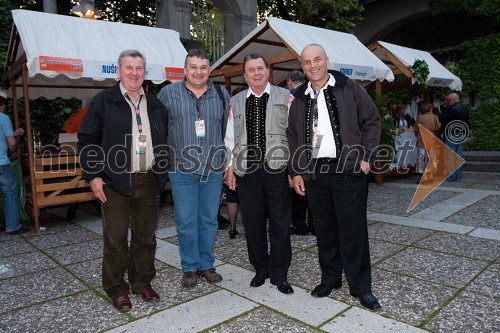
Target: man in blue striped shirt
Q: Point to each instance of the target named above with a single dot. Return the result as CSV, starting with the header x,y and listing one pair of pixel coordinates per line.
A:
x,y
197,122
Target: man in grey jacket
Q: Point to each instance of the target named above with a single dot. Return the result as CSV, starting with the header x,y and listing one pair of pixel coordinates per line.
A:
x,y
256,136
333,133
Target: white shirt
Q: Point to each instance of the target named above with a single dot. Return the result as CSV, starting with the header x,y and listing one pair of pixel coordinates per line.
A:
x,y
326,142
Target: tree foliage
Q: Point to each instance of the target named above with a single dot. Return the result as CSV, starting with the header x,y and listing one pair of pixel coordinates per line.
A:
x,y
140,12
339,15
487,8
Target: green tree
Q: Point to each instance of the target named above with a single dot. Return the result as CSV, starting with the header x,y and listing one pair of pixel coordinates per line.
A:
x,y
486,8
140,12
339,15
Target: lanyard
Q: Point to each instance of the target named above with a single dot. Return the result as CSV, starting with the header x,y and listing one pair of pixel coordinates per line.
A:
x,y
137,112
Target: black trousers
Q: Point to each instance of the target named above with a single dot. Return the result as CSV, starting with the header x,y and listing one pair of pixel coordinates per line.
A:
x,y
339,205
140,210
302,219
258,191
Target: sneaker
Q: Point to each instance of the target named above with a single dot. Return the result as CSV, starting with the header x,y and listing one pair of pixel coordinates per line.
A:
x,y
21,230
189,279
210,275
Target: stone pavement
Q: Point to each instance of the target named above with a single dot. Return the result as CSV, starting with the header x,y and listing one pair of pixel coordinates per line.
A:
x,y
435,269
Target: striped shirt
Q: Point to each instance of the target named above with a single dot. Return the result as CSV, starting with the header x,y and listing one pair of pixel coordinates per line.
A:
x,y
189,152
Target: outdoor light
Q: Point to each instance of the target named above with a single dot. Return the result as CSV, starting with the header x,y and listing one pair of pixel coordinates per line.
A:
x,y
86,9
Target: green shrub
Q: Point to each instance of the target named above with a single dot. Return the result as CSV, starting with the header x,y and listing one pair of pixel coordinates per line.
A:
x,y
485,123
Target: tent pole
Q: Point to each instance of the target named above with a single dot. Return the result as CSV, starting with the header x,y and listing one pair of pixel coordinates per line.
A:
x,y
378,91
30,148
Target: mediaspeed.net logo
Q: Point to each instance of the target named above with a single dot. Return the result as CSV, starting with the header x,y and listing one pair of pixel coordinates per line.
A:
x,y
443,161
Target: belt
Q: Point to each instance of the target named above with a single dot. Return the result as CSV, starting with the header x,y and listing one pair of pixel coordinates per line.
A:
x,y
143,173
326,160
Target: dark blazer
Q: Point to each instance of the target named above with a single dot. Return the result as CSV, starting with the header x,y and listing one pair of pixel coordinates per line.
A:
x,y
104,140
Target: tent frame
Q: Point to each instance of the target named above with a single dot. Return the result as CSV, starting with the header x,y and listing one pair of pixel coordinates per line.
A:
x,y
46,186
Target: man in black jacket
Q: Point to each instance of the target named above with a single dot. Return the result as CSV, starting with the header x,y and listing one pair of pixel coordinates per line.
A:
x,y
122,145
333,133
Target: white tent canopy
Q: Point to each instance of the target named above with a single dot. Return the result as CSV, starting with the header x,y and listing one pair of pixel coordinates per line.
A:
x,y
65,54
281,42
439,76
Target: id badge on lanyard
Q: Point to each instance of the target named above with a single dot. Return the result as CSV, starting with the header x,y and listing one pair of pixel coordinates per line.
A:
x,y
141,143
199,126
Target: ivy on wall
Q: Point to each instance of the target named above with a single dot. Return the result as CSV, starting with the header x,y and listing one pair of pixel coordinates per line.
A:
x,y
485,123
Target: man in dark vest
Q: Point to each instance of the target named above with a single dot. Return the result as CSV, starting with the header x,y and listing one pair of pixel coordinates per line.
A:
x,y
334,127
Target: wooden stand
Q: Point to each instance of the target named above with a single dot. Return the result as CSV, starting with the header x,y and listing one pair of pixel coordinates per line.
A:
x,y
58,179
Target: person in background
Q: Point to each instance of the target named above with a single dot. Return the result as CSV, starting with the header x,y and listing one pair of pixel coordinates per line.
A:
x,y
302,219
431,122
8,181
232,197
334,132
402,119
120,143
455,135
256,137
197,112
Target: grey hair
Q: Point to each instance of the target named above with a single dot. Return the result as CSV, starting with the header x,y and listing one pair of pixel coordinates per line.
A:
x,y
133,54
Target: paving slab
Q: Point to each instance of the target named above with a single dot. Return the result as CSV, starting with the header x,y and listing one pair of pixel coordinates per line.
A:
x,y
72,253
168,285
82,312
462,245
403,298
438,212
15,245
433,266
194,316
24,263
487,283
262,320
486,233
304,270
482,214
356,320
419,223
469,312
65,237
300,305
401,234
37,287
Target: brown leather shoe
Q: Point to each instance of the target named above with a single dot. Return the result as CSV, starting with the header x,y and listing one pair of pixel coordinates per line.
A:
x,y
210,275
149,295
189,279
122,303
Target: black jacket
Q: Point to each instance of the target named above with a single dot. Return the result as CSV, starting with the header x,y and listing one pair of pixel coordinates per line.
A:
x,y
358,123
104,140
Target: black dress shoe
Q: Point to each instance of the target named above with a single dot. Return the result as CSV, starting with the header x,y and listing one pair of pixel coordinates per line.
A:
x,y
369,301
323,290
233,233
258,280
283,286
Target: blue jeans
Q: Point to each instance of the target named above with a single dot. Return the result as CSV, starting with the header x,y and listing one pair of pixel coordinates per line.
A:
x,y
8,186
458,148
196,203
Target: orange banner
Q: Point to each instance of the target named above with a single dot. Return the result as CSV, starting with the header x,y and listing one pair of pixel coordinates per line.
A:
x,y
174,73
57,64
